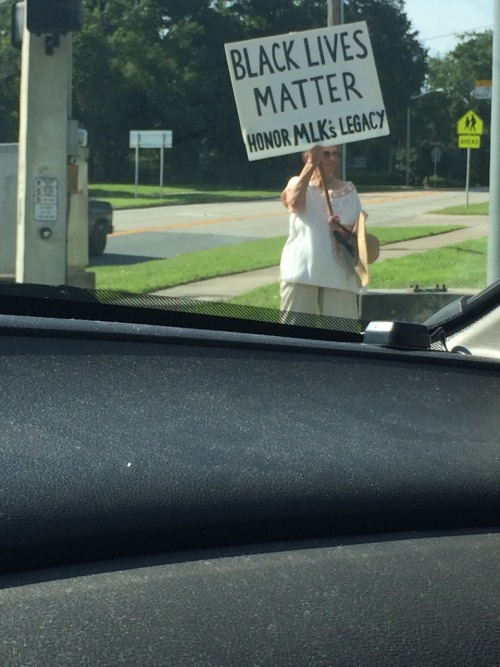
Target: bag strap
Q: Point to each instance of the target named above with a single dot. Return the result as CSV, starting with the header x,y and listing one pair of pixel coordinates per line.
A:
x,y
339,239
361,264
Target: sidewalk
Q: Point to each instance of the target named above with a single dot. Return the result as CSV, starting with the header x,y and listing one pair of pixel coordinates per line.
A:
x,y
228,287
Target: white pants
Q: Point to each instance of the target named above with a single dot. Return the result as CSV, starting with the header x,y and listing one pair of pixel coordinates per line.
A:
x,y
301,298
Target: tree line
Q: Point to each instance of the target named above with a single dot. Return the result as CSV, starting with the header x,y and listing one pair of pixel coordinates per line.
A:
x,y
160,64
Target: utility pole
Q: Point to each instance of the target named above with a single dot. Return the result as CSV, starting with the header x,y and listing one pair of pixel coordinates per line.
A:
x,y
334,12
43,149
335,16
45,110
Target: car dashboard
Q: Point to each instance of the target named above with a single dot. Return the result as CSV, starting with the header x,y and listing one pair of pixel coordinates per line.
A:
x,y
196,497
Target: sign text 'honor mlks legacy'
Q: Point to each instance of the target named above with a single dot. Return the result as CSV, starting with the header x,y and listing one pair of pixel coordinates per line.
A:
x,y
297,90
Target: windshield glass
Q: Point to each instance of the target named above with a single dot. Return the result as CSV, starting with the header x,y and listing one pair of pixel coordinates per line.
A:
x,y
310,162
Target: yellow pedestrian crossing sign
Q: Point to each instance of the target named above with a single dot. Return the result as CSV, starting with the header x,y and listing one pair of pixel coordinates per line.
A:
x,y
470,123
469,141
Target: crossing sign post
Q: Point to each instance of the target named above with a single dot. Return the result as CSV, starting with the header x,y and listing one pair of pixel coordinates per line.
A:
x,y
470,127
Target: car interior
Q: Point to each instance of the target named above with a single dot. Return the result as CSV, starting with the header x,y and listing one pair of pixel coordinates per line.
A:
x,y
191,482
186,491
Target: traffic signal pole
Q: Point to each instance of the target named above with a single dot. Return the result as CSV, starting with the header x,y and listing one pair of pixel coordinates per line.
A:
x,y
43,149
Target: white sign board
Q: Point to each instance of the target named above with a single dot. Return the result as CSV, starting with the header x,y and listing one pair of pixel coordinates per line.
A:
x,y
436,153
151,139
297,90
483,89
45,198
482,92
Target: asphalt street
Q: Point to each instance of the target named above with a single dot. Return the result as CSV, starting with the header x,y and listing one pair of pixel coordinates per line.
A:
x,y
162,232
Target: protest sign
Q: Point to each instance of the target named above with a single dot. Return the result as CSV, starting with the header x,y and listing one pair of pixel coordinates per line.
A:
x,y
301,89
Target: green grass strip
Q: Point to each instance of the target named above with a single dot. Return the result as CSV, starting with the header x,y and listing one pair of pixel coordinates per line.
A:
x,y
473,209
160,274
459,266
456,266
123,195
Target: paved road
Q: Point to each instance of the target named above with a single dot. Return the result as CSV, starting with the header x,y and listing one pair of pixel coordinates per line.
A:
x,y
144,234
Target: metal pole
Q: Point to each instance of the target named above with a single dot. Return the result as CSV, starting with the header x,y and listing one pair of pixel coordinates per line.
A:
x,y
335,16
467,180
407,179
493,262
137,164
334,12
408,120
161,165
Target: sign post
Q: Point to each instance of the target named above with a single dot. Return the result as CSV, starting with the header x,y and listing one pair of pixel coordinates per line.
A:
x,y
470,127
150,139
298,90
436,156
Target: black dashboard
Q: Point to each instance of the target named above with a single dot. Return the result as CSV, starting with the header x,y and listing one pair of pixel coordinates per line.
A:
x,y
185,497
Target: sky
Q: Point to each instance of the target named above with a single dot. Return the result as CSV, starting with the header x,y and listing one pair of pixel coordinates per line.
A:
x,y
438,20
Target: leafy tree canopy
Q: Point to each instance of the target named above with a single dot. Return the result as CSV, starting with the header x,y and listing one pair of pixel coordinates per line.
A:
x,y
151,64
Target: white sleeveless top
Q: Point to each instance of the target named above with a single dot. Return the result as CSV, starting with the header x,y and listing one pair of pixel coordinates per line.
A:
x,y
309,255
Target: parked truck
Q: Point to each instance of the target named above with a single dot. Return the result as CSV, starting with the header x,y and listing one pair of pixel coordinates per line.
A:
x,y
100,220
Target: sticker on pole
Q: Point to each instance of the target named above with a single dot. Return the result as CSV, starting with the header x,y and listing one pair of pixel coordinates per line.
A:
x,y
301,89
45,199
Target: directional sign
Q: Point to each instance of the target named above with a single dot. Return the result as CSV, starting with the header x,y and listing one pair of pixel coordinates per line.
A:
x,y
469,141
151,138
470,123
482,89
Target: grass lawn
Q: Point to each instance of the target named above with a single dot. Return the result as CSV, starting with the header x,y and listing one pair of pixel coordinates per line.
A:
x,y
123,196
458,266
159,274
472,209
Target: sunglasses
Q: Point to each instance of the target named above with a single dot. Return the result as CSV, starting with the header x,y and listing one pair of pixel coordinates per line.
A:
x,y
328,154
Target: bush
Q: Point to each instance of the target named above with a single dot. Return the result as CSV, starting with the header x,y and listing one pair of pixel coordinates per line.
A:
x,y
441,182
376,177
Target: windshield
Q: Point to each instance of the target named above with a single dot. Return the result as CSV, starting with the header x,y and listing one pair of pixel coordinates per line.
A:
x,y
312,162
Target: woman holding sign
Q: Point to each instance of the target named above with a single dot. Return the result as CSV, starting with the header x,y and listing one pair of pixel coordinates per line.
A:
x,y
316,271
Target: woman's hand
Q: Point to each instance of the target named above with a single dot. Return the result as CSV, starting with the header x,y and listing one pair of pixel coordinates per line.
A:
x,y
294,196
314,156
343,230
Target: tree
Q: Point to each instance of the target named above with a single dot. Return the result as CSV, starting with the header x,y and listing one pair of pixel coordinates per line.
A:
x,y
9,81
401,65
155,64
456,73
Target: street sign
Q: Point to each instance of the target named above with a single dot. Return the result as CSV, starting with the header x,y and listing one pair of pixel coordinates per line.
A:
x,y
469,129
469,141
436,153
45,199
482,89
470,123
150,138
